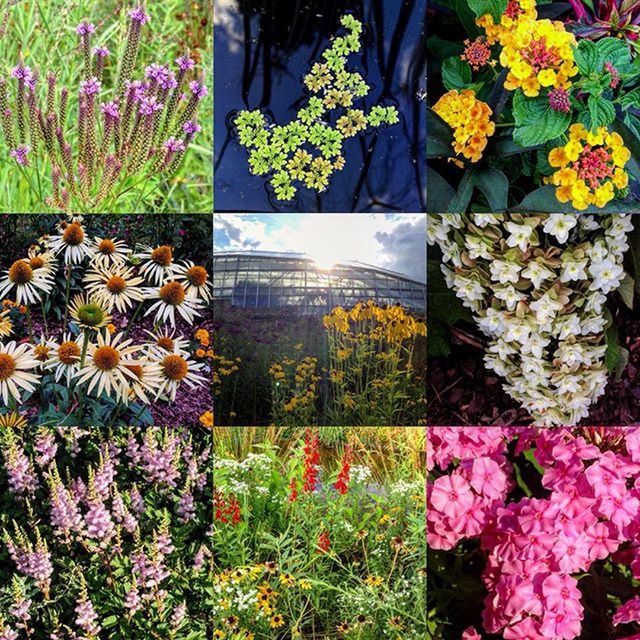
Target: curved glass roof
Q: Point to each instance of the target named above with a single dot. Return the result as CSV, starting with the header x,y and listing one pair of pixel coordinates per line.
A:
x,y
252,279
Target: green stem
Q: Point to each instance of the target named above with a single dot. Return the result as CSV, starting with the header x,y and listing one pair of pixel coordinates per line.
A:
x,y
66,298
505,124
133,319
85,345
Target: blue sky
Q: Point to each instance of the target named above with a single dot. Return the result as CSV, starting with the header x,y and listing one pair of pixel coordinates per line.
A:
x,y
391,241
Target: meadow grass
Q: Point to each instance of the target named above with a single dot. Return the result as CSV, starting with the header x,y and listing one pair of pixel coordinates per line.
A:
x,y
42,32
391,452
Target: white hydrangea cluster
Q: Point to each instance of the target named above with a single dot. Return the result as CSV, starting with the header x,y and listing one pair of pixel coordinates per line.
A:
x,y
537,284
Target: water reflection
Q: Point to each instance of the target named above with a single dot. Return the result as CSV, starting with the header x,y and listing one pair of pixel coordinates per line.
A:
x,y
263,48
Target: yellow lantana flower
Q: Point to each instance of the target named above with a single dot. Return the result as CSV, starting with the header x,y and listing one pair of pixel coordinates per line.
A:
x,y
538,53
470,120
590,167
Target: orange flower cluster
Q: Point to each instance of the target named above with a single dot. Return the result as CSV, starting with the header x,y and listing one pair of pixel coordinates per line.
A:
x,y
470,120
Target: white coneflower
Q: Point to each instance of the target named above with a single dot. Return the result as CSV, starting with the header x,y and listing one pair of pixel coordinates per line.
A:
x,y
30,284
90,312
16,360
148,377
166,339
172,297
117,285
43,350
75,244
177,369
195,280
106,366
108,251
6,326
157,264
65,358
45,262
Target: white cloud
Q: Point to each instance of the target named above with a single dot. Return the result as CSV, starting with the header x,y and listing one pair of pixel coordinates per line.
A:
x,y
391,241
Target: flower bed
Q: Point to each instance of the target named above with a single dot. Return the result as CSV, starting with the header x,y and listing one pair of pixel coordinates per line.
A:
x,y
98,332
532,533
303,550
535,107
105,534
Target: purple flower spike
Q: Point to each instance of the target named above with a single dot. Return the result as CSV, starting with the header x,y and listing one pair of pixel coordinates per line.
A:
x,y
161,75
138,15
90,87
136,90
20,154
174,146
185,63
191,128
85,28
149,105
198,90
102,52
110,110
24,74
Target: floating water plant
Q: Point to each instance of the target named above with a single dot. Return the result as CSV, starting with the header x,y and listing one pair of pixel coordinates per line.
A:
x,y
309,149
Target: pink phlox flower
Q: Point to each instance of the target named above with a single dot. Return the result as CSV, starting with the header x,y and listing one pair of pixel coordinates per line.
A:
x,y
628,612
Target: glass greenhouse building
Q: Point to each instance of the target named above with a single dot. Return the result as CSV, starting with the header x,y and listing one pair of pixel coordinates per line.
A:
x,y
252,279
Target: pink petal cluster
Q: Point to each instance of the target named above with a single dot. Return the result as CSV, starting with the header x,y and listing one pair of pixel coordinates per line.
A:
x,y
537,548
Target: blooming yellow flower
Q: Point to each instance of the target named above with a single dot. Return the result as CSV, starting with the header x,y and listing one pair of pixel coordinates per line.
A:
x,y
517,11
590,167
470,120
538,54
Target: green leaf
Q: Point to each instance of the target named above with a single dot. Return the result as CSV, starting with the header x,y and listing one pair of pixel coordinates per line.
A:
x,y
439,136
467,18
495,187
456,73
626,290
601,112
615,51
461,200
616,357
536,121
631,100
439,192
442,49
588,57
494,7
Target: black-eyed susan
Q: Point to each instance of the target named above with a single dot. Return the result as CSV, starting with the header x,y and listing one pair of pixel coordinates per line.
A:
x,y
6,326
231,622
270,567
374,581
195,280
277,621
396,623
73,242
12,420
157,264
27,283
343,627
106,366
171,298
218,634
287,580
118,285
109,251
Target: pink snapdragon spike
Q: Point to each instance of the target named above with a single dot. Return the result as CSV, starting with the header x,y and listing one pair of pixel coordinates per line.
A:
x,y
537,548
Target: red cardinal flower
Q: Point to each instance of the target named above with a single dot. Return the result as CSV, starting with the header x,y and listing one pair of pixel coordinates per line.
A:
x,y
311,460
342,484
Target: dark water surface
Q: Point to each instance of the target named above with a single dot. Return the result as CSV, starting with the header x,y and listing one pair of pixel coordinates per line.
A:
x,y
264,48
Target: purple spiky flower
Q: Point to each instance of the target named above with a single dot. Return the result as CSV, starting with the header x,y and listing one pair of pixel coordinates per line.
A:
x,y
110,110
185,63
198,89
85,28
101,52
20,154
139,15
90,87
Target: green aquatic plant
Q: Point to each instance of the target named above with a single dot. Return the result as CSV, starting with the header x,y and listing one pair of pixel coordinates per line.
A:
x,y
309,149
